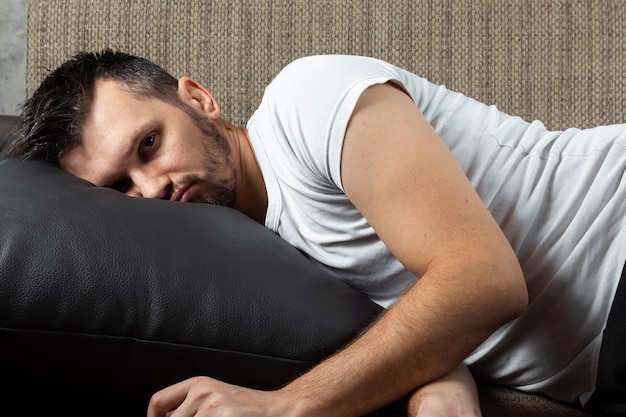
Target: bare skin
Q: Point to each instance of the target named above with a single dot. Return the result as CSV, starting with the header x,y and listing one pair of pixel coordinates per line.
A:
x,y
411,191
452,395
146,147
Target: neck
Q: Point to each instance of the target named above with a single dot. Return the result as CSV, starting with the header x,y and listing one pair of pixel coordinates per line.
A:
x,y
251,192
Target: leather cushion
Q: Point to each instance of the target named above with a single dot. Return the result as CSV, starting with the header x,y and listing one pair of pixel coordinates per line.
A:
x,y
107,298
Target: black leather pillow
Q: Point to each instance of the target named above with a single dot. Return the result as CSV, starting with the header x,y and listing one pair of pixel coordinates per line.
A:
x,y
106,298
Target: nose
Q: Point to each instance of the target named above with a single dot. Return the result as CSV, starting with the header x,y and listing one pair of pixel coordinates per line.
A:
x,y
147,184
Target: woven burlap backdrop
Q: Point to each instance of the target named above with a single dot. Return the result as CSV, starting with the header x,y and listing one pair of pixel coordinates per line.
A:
x,y
562,62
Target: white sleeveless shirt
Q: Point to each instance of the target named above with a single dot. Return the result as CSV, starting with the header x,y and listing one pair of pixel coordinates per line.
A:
x,y
559,197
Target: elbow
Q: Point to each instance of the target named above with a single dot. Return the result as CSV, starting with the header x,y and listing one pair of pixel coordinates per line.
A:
x,y
498,288
513,299
519,295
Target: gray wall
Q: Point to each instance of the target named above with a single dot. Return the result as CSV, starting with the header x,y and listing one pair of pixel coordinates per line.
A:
x,y
12,55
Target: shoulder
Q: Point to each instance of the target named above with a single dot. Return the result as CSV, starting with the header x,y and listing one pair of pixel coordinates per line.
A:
x,y
322,82
308,105
331,69
322,62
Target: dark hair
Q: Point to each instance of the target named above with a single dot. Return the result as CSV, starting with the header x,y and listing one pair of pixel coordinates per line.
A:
x,y
51,120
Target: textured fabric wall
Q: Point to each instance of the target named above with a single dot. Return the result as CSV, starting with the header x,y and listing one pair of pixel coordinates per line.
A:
x,y
561,62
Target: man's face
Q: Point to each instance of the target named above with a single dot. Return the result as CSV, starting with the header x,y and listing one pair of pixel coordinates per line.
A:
x,y
149,148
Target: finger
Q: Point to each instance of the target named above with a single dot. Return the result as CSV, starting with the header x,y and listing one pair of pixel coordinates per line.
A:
x,y
168,399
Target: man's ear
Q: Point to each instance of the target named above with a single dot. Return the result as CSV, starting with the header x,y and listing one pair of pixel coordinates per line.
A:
x,y
198,97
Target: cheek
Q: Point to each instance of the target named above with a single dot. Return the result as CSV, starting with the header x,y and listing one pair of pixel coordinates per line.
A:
x,y
189,160
176,154
76,164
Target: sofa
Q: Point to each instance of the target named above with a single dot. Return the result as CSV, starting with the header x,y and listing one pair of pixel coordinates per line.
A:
x,y
86,350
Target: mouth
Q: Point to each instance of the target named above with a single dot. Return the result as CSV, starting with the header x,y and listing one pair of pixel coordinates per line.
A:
x,y
182,194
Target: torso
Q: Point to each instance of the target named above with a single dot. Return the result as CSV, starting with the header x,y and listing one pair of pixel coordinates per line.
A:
x,y
525,175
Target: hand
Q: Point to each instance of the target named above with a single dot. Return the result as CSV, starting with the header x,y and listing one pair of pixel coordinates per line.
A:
x,y
206,397
446,404
454,395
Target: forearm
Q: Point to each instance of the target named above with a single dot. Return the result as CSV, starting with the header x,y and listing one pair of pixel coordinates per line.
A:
x,y
423,337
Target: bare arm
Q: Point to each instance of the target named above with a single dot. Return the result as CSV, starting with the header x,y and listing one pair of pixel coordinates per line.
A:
x,y
453,395
400,175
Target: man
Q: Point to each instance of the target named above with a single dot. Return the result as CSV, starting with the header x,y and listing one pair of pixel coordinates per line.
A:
x,y
365,168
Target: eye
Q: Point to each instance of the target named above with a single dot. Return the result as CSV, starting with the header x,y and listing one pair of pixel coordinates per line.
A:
x,y
147,145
